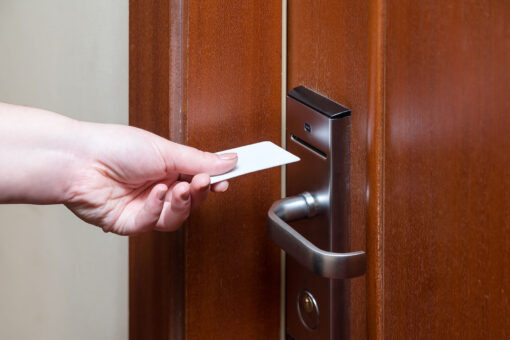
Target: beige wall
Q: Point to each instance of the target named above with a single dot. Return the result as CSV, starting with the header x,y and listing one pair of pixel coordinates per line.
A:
x,y
59,277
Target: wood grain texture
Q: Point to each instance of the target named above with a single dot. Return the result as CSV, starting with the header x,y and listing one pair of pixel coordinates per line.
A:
x,y
156,272
446,184
232,97
328,52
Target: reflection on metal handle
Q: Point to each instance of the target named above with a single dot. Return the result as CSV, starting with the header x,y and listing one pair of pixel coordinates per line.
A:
x,y
321,262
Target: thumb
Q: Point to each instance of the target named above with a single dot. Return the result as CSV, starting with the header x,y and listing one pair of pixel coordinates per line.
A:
x,y
191,161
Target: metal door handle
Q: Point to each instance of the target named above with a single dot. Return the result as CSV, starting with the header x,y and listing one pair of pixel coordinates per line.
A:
x,y
321,262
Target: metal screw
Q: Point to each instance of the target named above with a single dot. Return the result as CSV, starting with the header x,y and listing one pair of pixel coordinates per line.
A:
x,y
307,304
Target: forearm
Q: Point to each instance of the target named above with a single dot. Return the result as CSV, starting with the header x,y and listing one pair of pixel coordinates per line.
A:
x,y
37,154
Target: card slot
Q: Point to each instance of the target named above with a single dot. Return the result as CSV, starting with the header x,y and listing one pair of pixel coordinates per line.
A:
x,y
308,146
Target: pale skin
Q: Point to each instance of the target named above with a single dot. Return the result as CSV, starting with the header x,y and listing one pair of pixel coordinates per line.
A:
x,y
120,178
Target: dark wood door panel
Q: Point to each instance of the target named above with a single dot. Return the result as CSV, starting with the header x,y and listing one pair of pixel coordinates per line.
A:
x,y
447,153
233,87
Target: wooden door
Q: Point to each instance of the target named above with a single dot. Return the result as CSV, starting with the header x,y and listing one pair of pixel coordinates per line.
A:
x,y
430,192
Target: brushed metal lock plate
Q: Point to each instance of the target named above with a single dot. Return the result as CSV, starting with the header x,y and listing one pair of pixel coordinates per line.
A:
x,y
312,224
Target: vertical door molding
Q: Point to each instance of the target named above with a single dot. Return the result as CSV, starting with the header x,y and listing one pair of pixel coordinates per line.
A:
x,y
156,260
375,168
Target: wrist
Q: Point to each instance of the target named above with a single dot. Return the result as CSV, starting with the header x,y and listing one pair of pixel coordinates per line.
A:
x,y
38,155
72,158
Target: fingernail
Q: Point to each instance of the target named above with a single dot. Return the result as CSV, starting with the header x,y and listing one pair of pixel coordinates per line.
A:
x,y
224,187
161,195
185,196
228,156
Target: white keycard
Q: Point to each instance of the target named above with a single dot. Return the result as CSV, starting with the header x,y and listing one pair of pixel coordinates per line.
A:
x,y
255,157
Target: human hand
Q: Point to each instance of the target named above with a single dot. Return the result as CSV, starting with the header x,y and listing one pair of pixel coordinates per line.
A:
x,y
128,181
123,179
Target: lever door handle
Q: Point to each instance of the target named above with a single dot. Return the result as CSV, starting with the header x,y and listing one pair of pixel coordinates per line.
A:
x,y
321,262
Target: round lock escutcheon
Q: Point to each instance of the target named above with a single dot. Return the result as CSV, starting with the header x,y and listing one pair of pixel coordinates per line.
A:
x,y
308,310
